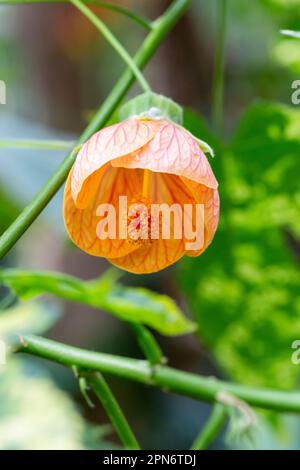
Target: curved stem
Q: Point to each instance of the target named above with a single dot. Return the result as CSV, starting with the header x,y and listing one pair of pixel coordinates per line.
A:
x,y
148,344
140,20
211,429
166,378
149,46
35,144
113,41
112,408
218,83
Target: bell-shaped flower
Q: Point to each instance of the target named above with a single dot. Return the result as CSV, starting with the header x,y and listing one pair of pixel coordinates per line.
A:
x,y
141,164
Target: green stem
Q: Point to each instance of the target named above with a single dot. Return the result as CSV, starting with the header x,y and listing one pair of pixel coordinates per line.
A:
x,y
144,22
34,144
166,378
149,46
112,408
218,82
148,344
113,41
212,428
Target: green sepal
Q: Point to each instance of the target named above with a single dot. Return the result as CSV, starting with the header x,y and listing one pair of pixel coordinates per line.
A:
x,y
205,147
153,106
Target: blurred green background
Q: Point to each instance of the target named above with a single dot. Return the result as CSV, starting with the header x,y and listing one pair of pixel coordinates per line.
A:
x,y
243,292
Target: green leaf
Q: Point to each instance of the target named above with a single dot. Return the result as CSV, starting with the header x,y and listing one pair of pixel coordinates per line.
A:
x,y
262,162
141,305
132,304
244,291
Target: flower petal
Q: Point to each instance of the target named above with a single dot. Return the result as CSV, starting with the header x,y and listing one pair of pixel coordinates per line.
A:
x,y
211,200
159,255
81,224
104,146
167,189
173,150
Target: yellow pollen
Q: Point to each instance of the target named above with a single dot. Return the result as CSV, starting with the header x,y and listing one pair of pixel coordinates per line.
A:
x,y
139,224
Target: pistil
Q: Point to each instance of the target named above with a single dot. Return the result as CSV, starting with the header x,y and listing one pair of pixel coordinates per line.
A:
x,y
146,183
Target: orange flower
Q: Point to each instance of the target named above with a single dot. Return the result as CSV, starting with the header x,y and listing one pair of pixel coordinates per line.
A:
x,y
151,162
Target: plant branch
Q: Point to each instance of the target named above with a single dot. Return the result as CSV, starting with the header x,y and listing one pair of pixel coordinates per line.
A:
x,y
218,82
113,41
166,378
149,46
140,20
212,428
112,408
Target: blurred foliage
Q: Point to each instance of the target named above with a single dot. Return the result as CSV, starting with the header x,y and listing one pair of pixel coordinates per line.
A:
x,y
30,317
135,304
244,291
36,415
262,162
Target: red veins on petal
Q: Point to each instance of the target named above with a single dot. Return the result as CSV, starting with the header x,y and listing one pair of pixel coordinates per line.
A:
x,y
106,145
113,163
172,150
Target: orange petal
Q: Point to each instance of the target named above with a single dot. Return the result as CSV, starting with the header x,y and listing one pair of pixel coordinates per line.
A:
x,y
160,253
81,224
146,260
173,150
210,198
104,146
